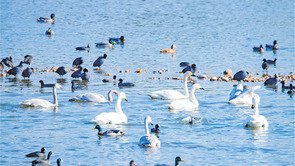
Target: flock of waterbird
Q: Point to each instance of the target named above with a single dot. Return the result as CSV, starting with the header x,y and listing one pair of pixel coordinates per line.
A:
x,y
240,95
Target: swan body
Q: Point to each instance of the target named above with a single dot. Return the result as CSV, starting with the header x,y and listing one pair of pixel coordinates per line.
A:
x,y
242,96
149,140
172,94
187,105
256,120
41,102
110,133
117,117
94,97
169,50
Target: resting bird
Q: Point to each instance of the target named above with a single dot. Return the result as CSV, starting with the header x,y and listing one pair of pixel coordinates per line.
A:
x,y
94,97
120,40
121,83
169,50
78,61
45,85
177,160
39,154
241,95
111,133
285,87
84,48
28,59
85,75
109,44
47,20
258,49
113,80
273,47
271,81
192,68
49,32
100,61
241,75
271,62
156,129
265,66
27,72
149,140
8,62
77,73
291,91
15,70
43,162
61,71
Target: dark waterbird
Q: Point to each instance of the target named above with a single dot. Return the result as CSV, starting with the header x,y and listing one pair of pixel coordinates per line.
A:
x,y
27,72
77,86
265,66
272,47
192,68
111,133
61,71
8,62
120,40
47,20
109,44
40,154
121,83
43,161
45,85
77,73
285,87
78,61
132,163
1,66
15,70
28,59
240,75
184,64
113,80
258,49
100,61
85,75
271,62
291,91
271,81
84,48
177,160
49,32
156,129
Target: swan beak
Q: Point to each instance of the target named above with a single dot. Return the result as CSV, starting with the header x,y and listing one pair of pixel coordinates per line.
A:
x,y
125,99
182,160
252,106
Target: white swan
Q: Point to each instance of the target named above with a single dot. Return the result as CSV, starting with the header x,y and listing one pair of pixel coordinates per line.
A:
x,y
186,105
149,140
242,96
117,117
94,97
41,102
256,120
172,94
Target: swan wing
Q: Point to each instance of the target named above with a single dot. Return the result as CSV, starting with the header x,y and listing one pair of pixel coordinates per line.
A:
x,y
90,97
245,97
256,121
37,103
110,118
167,95
149,141
184,105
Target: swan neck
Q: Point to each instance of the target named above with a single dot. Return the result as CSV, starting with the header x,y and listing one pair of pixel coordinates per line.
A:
x,y
185,86
55,102
256,108
147,132
110,98
118,105
193,97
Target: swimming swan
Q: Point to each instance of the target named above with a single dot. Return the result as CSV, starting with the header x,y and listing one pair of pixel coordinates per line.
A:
x,y
186,104
117,117
149,140
172,94
242,96
41,102
94,97
256,120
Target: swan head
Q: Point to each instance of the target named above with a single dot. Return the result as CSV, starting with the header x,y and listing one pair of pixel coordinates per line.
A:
x,y
187,74
123,95
132,162
98,128
197,86
255,100
177,160
148,119
57,85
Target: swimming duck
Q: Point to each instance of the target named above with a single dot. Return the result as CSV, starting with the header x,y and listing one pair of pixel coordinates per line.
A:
x,y
110,80
132,163
271,81
94,97
240,75
78,61
109,44
100,61
43,161
27,72
120,40
265,66
192,68
291,91
15,70
84,48
169,50
156,129
149,140
77,73
49,32
111,133
45,85
85,75
273,47
121,83
28,59
285,87
47,20
177,160
39,154
258,49
61,71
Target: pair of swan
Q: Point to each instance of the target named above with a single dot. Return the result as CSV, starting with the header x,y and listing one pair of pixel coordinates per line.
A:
x,y
241,95
94,97
149,140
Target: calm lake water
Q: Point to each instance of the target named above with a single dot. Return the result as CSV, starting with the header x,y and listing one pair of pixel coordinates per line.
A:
x,y
214,35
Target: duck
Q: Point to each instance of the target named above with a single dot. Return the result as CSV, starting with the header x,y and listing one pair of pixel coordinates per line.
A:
x,y
61,71
28,59
111,133
192,68
85,75
126,84
241,95
188,120
100,61
77,73
265,66
109,44
77,62
240,75
271,81
258,49
120,40
8,62
77,86
49,32
87,48
27,72
291,91
47,20
113,80
132,163
273,47
271,62
285,87
177,160
43,161
256,120
38,154
184,64
187,105
41,102
169,50
156,129
117,117
94,97
149,140
173,94
45,85
15,70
